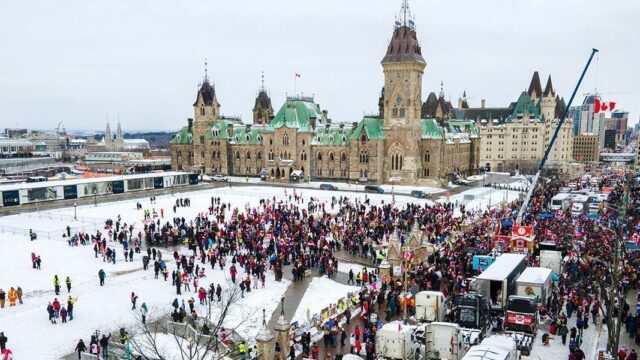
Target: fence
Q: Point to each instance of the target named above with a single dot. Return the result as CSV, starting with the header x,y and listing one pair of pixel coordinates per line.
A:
x,y
89,225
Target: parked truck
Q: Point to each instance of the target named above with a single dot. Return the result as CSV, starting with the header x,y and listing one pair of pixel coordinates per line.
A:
x,y
470,311
551,259
521,318
499,280
495,347
395,341
443,341
536,282
430,306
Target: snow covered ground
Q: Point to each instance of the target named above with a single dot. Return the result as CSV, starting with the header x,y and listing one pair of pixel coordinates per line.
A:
x,y
108,308
321,292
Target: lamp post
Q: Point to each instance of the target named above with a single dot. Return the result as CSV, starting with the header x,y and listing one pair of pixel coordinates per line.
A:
x,y
75,211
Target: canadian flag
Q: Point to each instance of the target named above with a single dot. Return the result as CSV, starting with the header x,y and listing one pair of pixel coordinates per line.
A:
x,y
603,106
519,230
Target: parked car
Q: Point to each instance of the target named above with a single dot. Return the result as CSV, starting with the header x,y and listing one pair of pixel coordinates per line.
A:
x,y
373,189
328,187
219,178
419,194
460,182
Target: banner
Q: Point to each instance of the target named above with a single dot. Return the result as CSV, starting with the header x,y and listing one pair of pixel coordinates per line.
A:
x,y
519,319
524,231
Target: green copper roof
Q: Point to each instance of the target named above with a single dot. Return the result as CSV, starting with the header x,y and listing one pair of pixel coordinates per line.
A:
x,y
463,126
332,136
219,129
431,129
183,136
523,107
253,136
372,127
296,114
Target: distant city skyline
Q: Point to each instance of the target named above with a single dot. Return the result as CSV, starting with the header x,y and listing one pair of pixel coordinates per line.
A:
x,y
77,61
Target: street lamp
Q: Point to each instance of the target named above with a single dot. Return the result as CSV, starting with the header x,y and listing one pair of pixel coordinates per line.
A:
x,y
75,211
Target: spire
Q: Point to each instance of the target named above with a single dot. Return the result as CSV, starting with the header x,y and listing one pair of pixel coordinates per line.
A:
x,y
535,86
262,81
206,75
548,90
441,89
405,14
464,95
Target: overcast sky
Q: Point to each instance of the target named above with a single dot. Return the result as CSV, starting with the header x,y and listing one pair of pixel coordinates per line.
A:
x,y
76,61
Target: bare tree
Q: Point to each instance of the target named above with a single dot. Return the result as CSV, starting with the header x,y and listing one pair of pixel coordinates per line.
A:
x,y
194,339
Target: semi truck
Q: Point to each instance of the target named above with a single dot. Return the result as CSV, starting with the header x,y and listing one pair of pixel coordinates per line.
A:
x,y
443,341
536,282
395,341
430,306
470,311
499,280
495,347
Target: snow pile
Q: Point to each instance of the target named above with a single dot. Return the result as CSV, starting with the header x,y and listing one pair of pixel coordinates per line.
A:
x,y
321,292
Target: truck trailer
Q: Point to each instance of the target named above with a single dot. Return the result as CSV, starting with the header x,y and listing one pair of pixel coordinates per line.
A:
x,y
499,280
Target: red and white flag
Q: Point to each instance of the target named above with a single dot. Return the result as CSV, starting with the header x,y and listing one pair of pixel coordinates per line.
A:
x,y
603,106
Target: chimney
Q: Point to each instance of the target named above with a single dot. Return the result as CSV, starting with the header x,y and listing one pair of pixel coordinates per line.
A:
x,y
482,104
190,122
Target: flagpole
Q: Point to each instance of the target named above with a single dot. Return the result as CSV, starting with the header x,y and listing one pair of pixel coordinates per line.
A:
x,y
295,87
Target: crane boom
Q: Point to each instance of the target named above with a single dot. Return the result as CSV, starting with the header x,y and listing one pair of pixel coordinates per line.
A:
x,y
553,140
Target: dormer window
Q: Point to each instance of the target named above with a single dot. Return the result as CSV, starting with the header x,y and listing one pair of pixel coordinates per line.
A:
x,y
259,138
331,138
344,139
247,138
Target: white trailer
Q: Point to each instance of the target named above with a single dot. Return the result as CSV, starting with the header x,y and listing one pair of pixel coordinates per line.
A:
x,y
536,282
495,347
551,259
560,201
430,306
395,341
443,341
499,280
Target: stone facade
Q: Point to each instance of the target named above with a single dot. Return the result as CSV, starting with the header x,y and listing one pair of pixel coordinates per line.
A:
x,y
515,138
586,148
398,145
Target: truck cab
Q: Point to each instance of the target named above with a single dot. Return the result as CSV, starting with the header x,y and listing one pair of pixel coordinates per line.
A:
x,y
471,311
522,314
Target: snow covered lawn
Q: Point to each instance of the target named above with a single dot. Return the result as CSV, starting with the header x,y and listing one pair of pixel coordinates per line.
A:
x,y
321,292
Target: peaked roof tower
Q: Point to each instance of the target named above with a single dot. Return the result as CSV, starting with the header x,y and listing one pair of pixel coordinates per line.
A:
x,y
548,90
404,45
535,86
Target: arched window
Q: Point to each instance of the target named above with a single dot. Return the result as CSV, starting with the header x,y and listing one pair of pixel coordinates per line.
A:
x,y
259,138
331,157
285,139
343,157
427,157
394,112
270,155
259,155
402,112
248,156
179,153
215,132
364,156
270,141
303,142
201,139
396,162
363,137
202,112
202,154
319,156
237,155
247,138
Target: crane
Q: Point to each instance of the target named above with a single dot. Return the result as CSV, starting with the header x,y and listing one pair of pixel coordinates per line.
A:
x,y
553,140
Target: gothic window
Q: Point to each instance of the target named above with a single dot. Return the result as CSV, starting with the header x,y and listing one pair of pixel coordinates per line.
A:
x,y
215,132
396,162
343,157
402,112
247,138
202,154
364,157
201,139
259,155
331,138
331,157
394,112
303,142
270,155
427,157
285,139
238,155
363,137
259,138
344,139
202,110
179,153
270,141
319,156
248,156
236,138
303,156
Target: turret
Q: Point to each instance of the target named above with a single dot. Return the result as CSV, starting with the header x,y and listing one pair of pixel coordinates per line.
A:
x,y
548,102
206,108
107,136
262,110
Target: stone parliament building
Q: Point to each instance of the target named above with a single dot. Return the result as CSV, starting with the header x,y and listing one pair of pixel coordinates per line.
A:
x,y
407,142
